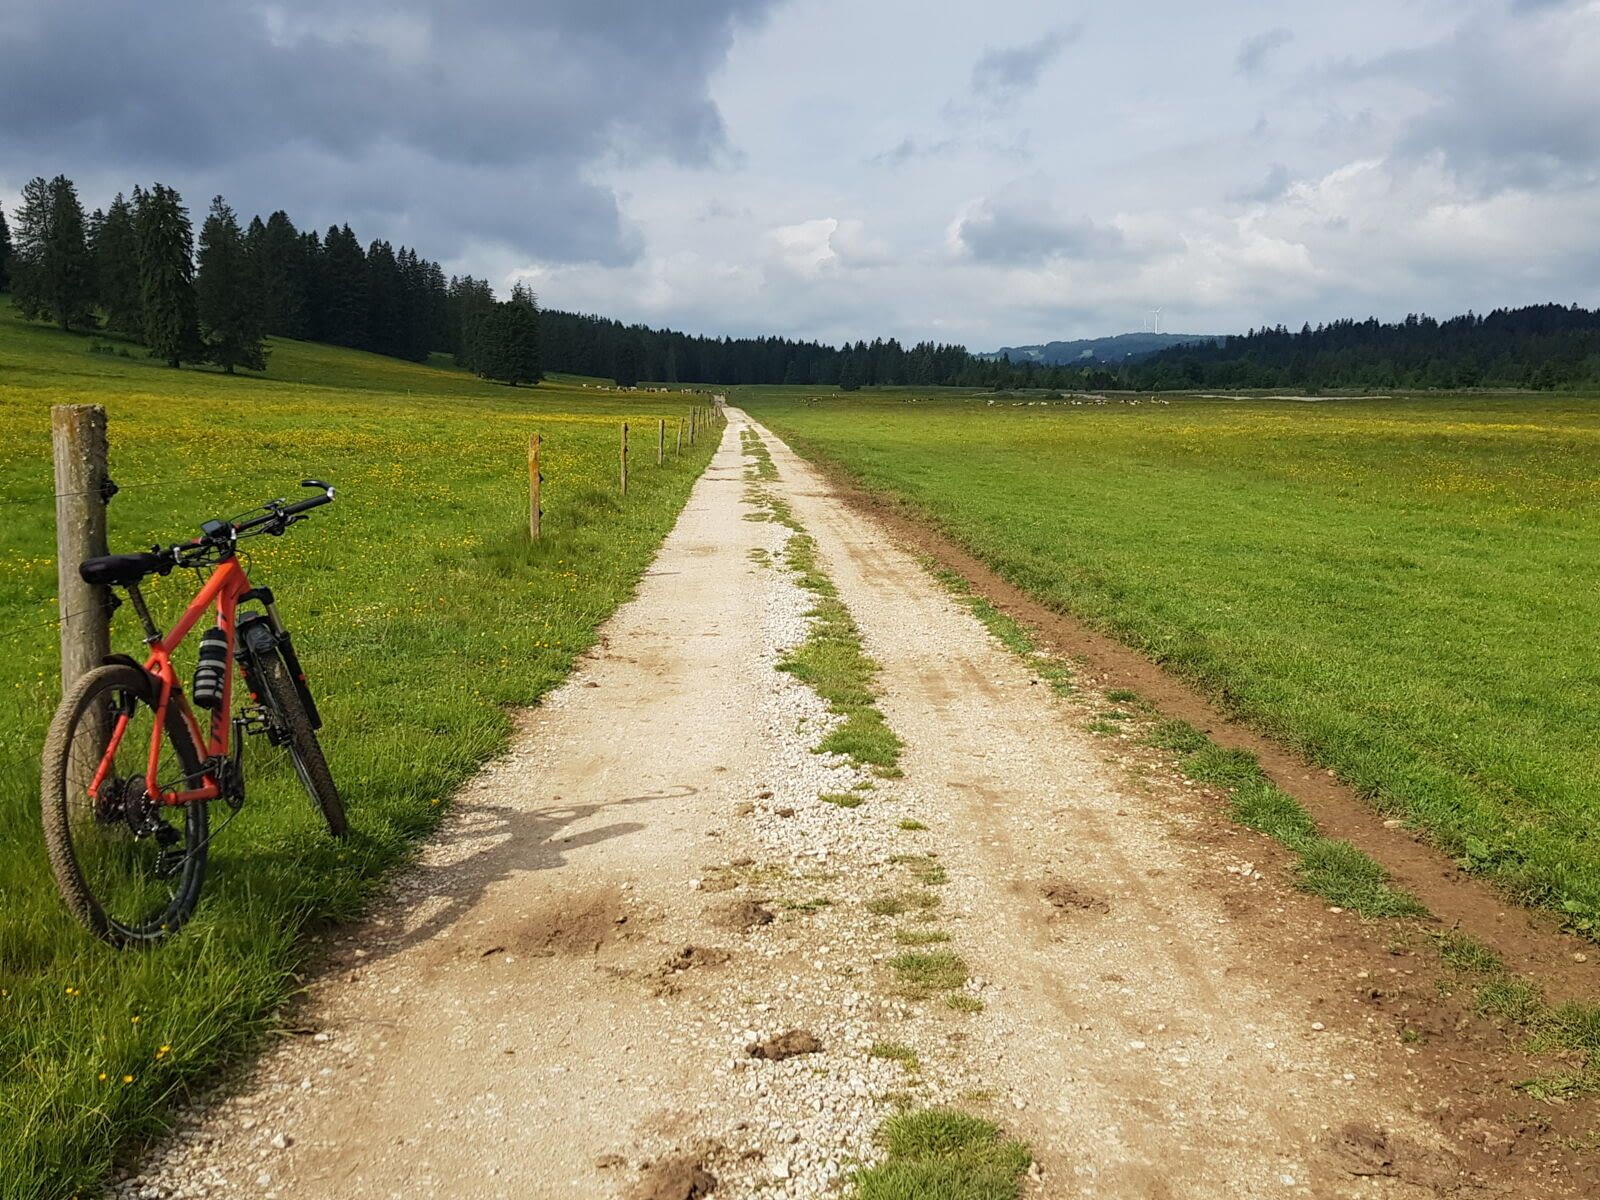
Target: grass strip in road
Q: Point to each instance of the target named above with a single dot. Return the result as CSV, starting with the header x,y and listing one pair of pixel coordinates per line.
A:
x,y
1330,868
942,1154
1570,1031
920,973
831,661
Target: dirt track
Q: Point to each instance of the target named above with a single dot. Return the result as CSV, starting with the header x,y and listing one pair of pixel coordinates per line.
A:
x,y
558,1002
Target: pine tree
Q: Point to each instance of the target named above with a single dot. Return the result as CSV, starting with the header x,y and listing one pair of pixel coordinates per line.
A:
x,y
314,314
849,372
226,296
343,280
507,343
438,293
52,272
626,371
5,253
166,275
530,349
471,300
116,269
385,328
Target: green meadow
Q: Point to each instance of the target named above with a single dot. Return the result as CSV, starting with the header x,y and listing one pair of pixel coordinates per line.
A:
x,y
1406,590
422,610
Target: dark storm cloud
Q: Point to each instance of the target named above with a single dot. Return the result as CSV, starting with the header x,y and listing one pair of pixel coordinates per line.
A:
x,y
1002,74
1254,51
1020,226
1509,102
478,121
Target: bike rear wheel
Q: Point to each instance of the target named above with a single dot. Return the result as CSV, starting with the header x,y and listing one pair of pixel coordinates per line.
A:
x,y
292,729
130,870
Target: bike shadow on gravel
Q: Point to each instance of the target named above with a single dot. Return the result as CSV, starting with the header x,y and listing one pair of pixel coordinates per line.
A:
x,y
481,844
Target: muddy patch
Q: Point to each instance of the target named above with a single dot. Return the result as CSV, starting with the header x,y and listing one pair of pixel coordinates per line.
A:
x,y
580,925
682,1177
785,1045
740,915
1065,898
1367,1151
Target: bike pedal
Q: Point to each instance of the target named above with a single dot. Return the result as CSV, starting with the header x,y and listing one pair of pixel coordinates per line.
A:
x,y
170,862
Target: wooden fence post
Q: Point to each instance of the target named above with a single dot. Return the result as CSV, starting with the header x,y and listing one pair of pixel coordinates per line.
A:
x,y
661,440
691,426
679,449
78,434
622,458
534,480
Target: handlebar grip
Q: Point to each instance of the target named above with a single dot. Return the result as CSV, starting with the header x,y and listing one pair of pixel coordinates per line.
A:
x,y
307,505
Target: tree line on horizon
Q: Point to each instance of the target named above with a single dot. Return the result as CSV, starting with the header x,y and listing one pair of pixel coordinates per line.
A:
x,y
133,269
1542,346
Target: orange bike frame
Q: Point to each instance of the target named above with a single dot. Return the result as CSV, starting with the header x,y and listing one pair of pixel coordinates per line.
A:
x,y
226,587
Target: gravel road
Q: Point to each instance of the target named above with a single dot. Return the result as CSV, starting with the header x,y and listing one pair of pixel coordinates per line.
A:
x,y
560,1000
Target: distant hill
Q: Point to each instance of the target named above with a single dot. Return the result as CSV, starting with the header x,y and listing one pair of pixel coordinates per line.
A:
x,y
1107,351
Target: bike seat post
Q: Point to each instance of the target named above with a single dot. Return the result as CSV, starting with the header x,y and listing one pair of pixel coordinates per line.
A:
x,y
152,635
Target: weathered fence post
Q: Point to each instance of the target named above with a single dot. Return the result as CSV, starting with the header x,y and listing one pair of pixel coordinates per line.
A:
x,y
622,458
691,426
661,440
78,432
534,480
679,449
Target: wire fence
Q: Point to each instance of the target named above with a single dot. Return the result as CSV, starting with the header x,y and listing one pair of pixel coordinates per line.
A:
x,y
29,629
48,496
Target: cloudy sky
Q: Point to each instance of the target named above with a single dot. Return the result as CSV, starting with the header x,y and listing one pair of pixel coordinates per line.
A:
x,y
992,173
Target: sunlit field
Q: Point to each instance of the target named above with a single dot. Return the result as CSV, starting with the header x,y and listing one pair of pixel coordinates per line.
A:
x,y
421,611
1407,590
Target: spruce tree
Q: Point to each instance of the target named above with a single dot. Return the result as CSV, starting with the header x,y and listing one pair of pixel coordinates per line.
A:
x,y
166,275
471,300
626,372
385,321
5,253
531,347
226,295
343,279
438,324
116,269
53,274
849,372
283,268
314,315
507,343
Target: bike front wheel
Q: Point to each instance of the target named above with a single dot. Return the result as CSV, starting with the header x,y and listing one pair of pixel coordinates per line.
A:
x,y
129,868
292,729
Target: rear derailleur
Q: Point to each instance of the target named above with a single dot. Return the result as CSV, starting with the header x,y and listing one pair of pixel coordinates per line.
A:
x,y
129,800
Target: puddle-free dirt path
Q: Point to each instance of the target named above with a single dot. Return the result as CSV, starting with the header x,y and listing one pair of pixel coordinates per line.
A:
x,y
560,1000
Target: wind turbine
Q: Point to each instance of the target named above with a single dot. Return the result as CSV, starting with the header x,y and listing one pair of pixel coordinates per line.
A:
x,y
1156,312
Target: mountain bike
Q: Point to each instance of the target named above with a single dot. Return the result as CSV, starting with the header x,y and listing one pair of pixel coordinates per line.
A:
x,y
131,768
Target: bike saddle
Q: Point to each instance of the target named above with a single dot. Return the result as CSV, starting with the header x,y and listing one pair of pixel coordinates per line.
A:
x,y
119,570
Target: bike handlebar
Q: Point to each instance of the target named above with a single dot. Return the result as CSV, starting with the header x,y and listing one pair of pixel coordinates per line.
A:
x,y
218,538
275,522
